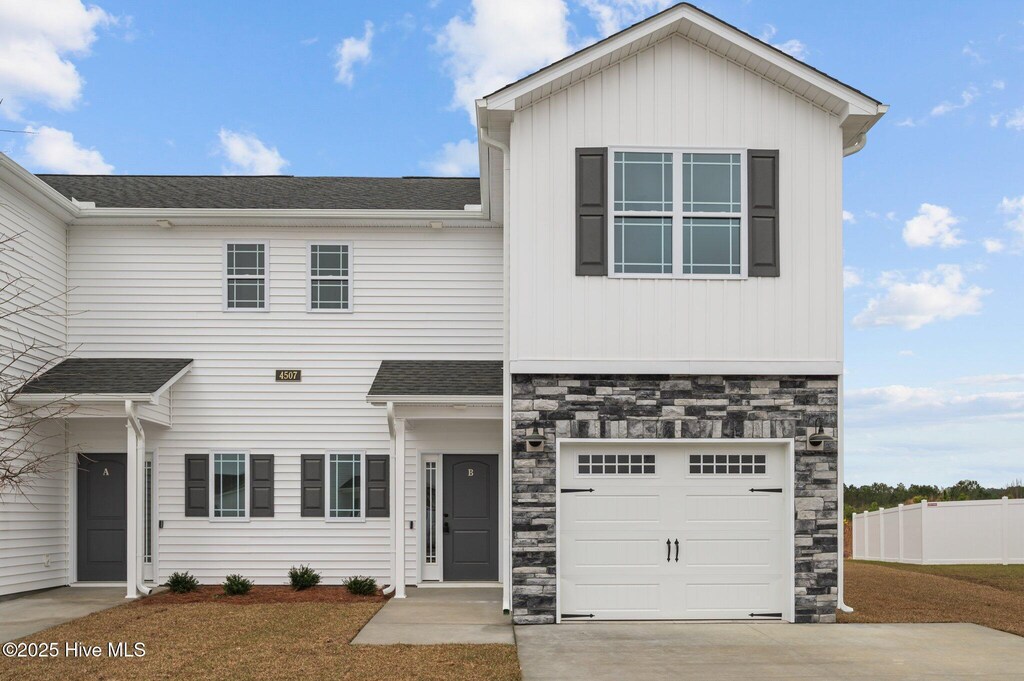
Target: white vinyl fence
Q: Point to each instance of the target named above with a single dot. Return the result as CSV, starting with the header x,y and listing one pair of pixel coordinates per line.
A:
x,y
942,532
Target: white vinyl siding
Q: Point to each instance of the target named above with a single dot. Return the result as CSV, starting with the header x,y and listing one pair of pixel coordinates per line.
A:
x,y
674,94
422,294
33,526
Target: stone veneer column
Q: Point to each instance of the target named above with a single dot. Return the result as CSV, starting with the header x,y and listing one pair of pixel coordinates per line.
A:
x,y
606,406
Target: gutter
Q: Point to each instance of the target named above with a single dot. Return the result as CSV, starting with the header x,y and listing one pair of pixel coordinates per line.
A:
x,y
841,501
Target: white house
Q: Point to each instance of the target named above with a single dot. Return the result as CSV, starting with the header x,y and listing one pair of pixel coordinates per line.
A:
x,y
605,376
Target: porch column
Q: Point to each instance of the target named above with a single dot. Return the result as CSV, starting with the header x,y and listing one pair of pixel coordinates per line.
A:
x,y
399,506
132,465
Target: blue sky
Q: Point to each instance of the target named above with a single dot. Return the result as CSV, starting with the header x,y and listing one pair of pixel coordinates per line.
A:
x,y
935,203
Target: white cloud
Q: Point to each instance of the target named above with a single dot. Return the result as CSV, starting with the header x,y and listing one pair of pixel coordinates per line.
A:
x,y
906,353
352,51
939,294
998,84
1014,208
456,159
907,122
52,150
972,53
932,226
851,278
614,15
792,47
37,41
993,245
500,42
989,379
1015,121
967,98
849,217
900,402
248,155
891,216
310,41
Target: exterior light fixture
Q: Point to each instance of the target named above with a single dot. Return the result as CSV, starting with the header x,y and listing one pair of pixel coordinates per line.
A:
x,y
820,437
534,440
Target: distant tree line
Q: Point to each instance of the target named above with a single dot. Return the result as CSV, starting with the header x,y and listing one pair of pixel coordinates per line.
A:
x,y
880,495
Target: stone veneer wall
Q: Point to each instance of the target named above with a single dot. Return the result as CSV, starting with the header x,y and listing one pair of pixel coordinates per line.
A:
x,y
607,406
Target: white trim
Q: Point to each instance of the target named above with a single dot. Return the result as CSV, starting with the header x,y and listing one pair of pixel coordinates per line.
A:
x,y
436,571
789,610
83,398
89,585
460,585
171,381
348,278
446,400
213,486
265,277
330,485
717,367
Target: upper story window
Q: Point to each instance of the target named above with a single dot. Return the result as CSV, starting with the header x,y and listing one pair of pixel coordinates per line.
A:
x,y
330,277
678,213
245,280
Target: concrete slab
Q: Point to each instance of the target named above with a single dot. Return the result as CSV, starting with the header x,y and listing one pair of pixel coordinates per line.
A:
x,y
734,651
444,615
28,614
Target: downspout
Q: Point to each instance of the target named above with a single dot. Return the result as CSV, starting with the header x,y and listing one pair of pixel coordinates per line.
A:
x,y
842,497
136,461
390,588
506,378
858,144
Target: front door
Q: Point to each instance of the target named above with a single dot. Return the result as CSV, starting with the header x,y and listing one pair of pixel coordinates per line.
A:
x,y
102,518
470,517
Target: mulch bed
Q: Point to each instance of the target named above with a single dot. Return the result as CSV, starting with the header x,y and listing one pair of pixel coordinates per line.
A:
x,y
263,595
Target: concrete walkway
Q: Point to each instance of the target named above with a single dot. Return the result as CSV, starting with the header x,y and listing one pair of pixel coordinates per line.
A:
x,y
731,652
28,614
440,615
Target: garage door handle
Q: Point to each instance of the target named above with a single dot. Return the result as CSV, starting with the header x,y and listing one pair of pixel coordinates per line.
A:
x,y
668,545
766,489
569,490
677,550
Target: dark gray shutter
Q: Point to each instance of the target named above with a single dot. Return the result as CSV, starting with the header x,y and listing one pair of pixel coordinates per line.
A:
x,y
261,486
313,484
763,212
197,485
592,211
378,482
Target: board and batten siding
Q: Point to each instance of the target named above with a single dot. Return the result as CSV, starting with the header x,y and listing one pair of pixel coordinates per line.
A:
x,y
33,526
417,293
675,93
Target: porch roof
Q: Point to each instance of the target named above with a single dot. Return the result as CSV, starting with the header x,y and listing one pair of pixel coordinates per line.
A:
x,y
423,381
116,378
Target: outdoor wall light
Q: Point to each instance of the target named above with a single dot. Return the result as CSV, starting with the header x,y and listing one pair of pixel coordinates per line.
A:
x,y
819,438
534,440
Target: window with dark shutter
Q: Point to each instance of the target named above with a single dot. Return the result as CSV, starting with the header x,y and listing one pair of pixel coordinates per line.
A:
x,y
313,484
592,211
378,491
261,486
763,213
197,485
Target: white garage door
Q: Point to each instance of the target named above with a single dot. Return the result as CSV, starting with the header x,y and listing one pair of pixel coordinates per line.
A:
x,y
671,531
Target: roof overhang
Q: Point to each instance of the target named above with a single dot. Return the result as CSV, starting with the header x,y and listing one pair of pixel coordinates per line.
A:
x,y
707,30
168,218
436,400
54,398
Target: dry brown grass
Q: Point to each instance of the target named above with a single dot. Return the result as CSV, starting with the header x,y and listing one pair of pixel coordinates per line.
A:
x,y
258,641
989,595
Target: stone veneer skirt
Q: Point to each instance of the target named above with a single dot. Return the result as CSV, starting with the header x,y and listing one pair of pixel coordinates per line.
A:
x,y
661,406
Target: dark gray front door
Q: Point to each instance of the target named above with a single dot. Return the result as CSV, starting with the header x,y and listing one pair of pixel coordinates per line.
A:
x,y
470,508
102,518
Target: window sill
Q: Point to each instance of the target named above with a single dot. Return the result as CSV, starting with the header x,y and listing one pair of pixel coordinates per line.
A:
x,y
228,520
685,277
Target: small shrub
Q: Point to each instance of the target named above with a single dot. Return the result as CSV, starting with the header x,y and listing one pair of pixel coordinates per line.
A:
x,y
303,577
361,586
237,585
182,583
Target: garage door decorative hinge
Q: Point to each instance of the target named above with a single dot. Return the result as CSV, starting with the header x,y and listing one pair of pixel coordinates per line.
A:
x,y
776,615
567,490
574,616
766,489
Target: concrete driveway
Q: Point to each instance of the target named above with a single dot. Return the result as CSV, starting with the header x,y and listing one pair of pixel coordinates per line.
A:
x,y
728,652
28,614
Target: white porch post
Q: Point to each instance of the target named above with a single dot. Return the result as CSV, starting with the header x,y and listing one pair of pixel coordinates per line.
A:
x,y
399,505
132,465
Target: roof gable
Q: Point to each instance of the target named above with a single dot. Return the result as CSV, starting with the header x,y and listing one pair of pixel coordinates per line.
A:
x,y
702,28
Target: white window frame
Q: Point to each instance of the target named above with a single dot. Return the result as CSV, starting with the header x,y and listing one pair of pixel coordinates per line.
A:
x,y
309,277
213,486
676,214
265,277
330,485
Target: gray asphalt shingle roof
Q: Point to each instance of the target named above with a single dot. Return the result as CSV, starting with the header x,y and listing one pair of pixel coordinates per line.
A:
x,y
437,377
83,376
277,191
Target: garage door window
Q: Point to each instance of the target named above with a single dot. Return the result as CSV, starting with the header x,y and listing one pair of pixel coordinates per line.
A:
x,y
615,464
727,464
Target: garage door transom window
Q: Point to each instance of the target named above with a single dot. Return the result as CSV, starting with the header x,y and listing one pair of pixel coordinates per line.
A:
x,y
727,464
615,464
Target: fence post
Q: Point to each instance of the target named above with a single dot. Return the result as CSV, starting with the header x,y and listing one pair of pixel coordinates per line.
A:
x,y
924,532
881,533
867,537
900,518
1006,529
